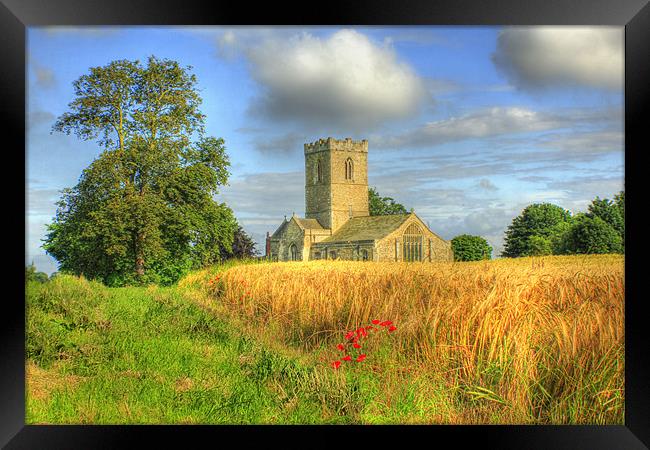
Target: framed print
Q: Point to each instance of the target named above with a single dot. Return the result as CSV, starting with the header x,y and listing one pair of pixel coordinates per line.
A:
x,y
396,218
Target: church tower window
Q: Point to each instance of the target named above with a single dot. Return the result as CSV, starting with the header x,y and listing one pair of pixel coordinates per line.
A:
x,y
349,169
319,171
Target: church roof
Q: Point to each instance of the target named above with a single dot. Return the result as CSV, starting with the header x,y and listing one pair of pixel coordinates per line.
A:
x,y
305,224
311,224
280,229
367,228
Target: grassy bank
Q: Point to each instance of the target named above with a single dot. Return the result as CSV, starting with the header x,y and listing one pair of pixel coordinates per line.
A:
x,y
531,340
150,355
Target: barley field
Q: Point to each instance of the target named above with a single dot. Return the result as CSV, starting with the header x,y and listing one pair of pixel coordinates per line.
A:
x,y
508,341
527,340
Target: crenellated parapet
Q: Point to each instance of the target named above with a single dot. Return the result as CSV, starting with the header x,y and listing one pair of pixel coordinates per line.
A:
x,y
331,144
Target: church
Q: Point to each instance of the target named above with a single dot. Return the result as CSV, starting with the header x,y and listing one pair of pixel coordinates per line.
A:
x,y
337,222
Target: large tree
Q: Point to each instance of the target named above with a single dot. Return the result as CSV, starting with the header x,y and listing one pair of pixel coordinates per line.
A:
x,y
536,230
143,210
383,206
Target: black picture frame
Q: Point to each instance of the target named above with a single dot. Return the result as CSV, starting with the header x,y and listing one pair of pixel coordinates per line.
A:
x,y
17,15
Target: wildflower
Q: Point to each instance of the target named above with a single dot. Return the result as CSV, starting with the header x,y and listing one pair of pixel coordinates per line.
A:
x,y
336,364
393,328
347,358
355,345
376,322
386,323
361,357
349,335
341,347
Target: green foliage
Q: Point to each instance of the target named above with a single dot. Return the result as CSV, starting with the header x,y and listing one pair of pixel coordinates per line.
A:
x,y
535,230
383,206
32,275
143,211
612,212
243,245
545,229
470,248
592,235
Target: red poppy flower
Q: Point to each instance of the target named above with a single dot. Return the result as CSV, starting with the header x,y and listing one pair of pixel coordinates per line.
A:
x,y
347,358
376,322
393,328
349,335
355,345
386,323
341,347
361,357
336,364
361,332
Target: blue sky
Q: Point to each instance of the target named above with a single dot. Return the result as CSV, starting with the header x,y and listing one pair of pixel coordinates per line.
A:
x,y
467,125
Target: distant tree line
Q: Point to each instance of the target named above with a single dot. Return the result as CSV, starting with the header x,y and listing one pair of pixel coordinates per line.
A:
x,y
547,229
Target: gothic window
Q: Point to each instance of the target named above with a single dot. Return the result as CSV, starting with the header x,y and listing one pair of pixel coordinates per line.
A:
x,y
293,252
319,171
412,243
349,169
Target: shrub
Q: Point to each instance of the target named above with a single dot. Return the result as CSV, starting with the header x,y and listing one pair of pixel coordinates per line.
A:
x,y
470,248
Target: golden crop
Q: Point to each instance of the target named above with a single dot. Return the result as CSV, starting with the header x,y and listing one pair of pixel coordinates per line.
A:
x,y
528,331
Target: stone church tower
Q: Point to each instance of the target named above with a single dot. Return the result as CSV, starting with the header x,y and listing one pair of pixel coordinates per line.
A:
x,y
336,181
337,222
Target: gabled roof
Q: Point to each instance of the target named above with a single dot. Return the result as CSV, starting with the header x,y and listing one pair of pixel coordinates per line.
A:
x,y
367,228
305,224
277,233
309,224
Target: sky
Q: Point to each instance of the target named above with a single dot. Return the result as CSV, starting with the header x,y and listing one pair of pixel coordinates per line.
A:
x,y
467,125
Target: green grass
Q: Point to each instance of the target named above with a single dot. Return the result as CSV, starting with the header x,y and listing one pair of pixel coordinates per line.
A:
x,y
149,355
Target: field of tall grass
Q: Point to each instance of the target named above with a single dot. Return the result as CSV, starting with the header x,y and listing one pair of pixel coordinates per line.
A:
x,y
527,340
511,341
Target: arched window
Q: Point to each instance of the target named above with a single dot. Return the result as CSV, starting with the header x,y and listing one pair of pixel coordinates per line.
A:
x,y
293,252
349,169
412,243
319,171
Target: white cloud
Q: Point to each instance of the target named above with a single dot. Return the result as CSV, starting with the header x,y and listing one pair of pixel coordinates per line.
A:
x,y
343,80
480,124
541,57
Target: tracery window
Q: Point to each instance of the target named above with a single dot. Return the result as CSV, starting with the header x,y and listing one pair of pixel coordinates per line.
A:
x,y
349,169
412,243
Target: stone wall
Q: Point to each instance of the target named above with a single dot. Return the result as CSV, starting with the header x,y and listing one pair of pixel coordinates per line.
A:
x,y
280,245
433,247
353,251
